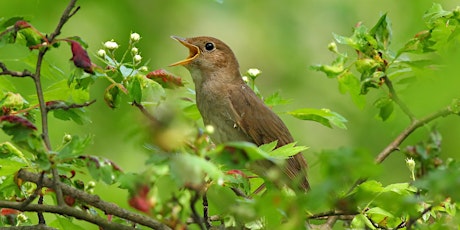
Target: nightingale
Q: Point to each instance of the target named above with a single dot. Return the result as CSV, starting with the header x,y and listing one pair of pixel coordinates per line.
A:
x,y
227,103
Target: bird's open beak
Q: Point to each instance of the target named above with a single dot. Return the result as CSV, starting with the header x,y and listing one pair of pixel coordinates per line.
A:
x,y
194,51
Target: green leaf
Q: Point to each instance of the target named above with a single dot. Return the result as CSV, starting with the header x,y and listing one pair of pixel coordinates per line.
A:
x,y
333,70
348,83
65,223
78,115
269,146
276,99
135,90
74,147
379,211
434,13
127,71
382,32
286,151
323,116
29,36
191,170
385,106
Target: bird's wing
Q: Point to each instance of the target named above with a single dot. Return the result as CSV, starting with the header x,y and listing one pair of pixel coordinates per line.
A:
x,y
263,126
254,118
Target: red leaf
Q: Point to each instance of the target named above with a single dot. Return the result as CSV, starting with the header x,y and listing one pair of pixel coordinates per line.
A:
x,y
140,200
80,57
166,79
69,200
18,120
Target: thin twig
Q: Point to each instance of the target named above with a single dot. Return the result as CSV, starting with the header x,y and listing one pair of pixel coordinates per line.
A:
x,y
62,105
196,217
6,71
146,113
207,222
67,211
394,96
93,200
41,217
415,124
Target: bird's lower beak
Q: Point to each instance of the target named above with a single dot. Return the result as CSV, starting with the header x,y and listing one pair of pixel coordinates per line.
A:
x,y
194,51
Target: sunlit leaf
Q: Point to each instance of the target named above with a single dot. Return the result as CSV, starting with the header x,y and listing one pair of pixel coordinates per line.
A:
x,y
323,116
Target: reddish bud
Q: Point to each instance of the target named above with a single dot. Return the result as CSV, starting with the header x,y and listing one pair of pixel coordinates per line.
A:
x,y
236,172
140,200
166,79
21,24
18,120
69,200
80,57
8,211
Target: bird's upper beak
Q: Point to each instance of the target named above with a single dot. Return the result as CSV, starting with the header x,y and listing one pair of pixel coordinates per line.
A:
x,y
194,51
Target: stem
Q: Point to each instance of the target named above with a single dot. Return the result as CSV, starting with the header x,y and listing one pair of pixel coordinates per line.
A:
x,y
415,124
394,96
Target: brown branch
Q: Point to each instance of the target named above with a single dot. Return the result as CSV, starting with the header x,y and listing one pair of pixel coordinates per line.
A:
x,y
340,215
64,210
415,124
153,119
33,227
95,201
55,105
6,71
196,217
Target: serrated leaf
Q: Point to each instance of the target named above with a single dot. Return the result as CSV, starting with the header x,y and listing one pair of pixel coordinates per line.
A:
x,y
269,146
276,99
287,151
323,116
382,32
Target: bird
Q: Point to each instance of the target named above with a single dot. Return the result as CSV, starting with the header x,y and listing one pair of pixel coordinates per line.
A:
x,y
229,105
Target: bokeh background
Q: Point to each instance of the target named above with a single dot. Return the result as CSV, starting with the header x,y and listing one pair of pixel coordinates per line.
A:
x,y
281,38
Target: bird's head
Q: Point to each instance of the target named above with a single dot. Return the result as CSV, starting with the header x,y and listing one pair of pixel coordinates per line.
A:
x,y
208,57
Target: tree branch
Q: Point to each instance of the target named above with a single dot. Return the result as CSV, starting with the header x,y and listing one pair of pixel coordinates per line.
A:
x,y
6,71
64,210
415,124
93,200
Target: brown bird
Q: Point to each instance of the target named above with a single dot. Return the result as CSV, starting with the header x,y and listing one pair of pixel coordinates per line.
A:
x,y
230,106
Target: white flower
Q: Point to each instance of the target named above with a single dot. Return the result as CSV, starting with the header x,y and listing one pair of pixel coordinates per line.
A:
x,y
135,37
245,79
253,73
134,50
101,53
111,45
137,58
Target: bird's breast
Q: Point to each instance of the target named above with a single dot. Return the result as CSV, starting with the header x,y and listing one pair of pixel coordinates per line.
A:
x,y
214,104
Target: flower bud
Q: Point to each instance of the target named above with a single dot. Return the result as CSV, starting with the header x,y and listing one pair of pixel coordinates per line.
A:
x,y
111,45
410,163
144,68
137,58
101,53
245,79
332,47
209,129
134,50
135,37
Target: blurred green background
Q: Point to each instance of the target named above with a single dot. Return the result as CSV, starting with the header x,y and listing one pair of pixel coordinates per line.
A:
x,y
281,38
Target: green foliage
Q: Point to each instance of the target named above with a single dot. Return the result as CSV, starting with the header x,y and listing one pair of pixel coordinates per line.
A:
x,y
184,167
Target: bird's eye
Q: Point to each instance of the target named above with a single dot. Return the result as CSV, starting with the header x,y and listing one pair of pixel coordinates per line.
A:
x,y
209,46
